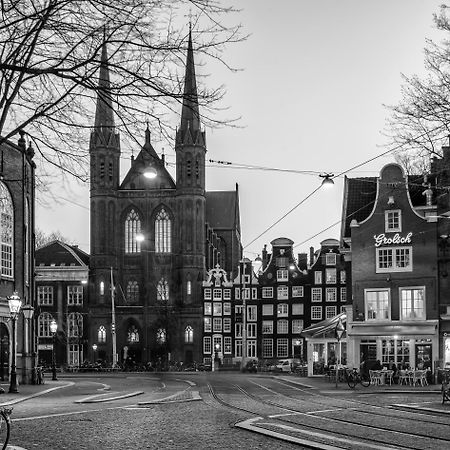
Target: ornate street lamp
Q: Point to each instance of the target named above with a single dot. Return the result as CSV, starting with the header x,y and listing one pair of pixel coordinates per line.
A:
x,y
94,348
53,328
339,331
14,303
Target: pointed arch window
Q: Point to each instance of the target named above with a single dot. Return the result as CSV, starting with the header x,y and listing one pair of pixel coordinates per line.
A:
x,y
188,335
75,325
132,335
132,229
101,334
163,232
44,321
162,290
132,291
6,231
161,336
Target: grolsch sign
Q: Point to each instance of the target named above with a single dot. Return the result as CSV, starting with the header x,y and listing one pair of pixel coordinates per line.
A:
x,y
397,239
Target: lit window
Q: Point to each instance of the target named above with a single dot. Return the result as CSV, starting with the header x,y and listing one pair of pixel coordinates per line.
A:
x,y
282,261
217,309
188,335
316,312
74,295
160,336
317,277
267,327
267,292
377,304
398,259
393,221
227,344
208,308
132,291
208,323
101,334
207,294
102,288
163,233
6,231
343,276
132,229
413,303
162,290
316,294
330,276
188,287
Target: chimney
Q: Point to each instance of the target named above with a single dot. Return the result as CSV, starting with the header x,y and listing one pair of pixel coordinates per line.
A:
x,y
302,261
264,257
311,256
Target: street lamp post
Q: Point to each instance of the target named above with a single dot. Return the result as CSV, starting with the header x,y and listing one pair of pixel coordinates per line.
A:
x,y
14,303
339,331
94,349
53,328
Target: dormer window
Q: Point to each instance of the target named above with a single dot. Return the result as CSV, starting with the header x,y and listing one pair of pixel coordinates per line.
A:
x,y
393,221
330,259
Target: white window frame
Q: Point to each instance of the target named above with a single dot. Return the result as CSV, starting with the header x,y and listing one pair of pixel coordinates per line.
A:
x,y
283,326
267,310
330,311
316,294
282,348
252,313
330,275
387,220
318,277
282,310
267,292
251,330
207,294
316,313
282,275
217,309
132,229
330,259
227,294
343,294
207,347
413,315
207,308
217,294
331,294
75,295
45,295
227,325
267,348
207,324
382,255
267,327
227,345
7,238
379,317
282,293
227,309
297,326
217,325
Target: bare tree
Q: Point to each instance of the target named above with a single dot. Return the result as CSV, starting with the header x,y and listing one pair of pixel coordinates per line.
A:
x,y
421,120
41,238
50,55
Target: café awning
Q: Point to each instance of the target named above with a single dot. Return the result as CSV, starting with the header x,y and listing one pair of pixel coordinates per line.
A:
x,y
325,326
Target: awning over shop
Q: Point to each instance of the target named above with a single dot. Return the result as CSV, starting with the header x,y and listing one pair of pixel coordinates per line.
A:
x,y
325,326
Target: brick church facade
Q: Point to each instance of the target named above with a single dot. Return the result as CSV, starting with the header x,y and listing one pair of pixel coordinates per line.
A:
x,y
153,239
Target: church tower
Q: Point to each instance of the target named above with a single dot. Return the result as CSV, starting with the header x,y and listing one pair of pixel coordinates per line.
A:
x,y
190,151
104,151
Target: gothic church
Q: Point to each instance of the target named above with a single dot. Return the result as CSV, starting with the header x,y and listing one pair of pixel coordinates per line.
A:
x,y
153,239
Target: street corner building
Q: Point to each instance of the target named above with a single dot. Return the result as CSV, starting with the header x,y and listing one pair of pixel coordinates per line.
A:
x,y
17,347
153,239
390,229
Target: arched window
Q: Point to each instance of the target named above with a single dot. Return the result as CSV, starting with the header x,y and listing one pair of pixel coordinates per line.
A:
x,y
44,321
6,231
161,336
132,291
163,233
162,290
75,325
133,334
101,334
188,335
132,229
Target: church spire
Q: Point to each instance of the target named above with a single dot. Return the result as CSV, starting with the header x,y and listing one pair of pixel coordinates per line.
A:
x,y
190,117
104,113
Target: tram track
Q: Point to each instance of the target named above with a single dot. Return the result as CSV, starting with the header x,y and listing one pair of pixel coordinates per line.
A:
x,y
339,429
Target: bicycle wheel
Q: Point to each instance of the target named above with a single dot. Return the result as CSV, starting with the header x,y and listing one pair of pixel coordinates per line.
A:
x,y
365,380
5,427
351,380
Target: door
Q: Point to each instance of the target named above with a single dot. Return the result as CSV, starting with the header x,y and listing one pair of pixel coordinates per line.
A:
x,y
318,359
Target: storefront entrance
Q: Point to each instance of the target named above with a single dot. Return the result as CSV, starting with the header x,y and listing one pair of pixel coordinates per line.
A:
x,y
423,356
4,351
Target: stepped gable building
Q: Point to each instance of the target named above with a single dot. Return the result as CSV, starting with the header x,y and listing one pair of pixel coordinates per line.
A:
x,y
17,208
389,225
62,271
154,284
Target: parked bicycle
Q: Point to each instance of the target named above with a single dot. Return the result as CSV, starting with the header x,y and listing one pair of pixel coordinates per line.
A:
x,y
5,426
354,377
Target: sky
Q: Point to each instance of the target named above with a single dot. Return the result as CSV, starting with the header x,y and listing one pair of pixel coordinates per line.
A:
x,y
315,79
